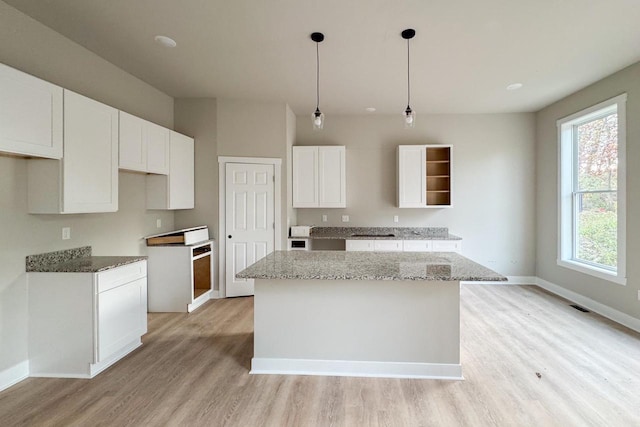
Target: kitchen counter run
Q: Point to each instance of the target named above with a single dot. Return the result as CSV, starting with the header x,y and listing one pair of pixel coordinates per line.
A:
x,y
338,265
77,260
381,233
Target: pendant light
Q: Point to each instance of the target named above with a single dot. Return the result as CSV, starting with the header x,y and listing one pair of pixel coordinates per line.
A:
x,y
317,116
409,114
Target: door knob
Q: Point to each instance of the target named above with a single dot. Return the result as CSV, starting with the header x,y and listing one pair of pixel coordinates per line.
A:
x,y
229,236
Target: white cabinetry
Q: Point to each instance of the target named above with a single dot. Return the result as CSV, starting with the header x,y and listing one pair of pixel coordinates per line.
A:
x,y
86,179
175,190
424,176
30,115
82,323
144,146
180,277
319,177
447,245
374,245
417,245
386,245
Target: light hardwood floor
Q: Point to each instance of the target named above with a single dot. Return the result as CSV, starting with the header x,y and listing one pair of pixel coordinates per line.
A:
x,y
193,371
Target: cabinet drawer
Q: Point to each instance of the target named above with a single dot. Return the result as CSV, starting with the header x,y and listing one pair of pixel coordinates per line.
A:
x,y
387,245
359,245
446,245
117,276
417,245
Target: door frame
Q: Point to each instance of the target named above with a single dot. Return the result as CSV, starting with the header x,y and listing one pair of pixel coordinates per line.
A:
x,y
222,209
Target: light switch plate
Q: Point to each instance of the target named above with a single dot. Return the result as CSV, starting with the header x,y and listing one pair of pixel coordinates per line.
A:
x,y
345,218
158,223
324,218
66,233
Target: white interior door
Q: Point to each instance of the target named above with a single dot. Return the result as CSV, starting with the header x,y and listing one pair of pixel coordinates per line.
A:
x,y
249,219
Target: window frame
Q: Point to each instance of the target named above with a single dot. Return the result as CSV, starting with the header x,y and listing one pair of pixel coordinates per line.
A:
x,y
567,190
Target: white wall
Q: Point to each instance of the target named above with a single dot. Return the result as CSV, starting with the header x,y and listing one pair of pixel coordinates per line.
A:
x,y
256,129
622,298
31,47
492,176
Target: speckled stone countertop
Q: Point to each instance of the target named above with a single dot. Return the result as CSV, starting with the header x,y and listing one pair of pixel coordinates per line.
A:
x,y
77,260
381,233
338,265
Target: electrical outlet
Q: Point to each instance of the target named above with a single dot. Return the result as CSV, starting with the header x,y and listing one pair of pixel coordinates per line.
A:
x,y
66,233
638,295
158,223
324,218
396,218
345,218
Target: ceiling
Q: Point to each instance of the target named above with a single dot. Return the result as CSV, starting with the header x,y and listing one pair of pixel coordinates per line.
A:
x,y
464,54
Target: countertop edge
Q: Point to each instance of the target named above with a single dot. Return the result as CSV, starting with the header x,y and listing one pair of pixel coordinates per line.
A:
x,y
88,264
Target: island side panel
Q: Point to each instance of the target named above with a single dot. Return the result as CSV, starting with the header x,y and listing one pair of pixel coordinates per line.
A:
x,y
399,325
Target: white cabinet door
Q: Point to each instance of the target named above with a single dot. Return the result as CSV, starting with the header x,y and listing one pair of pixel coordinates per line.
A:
x,y
416,245
447,245
133,150
319,177
30,115
176,190
387,245
121,317
359,245
305,177
412,181
144,146
181,172
331,177
90,163
157,141
86,179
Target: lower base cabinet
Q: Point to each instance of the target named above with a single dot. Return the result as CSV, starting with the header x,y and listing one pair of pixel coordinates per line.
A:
x,y
180,277
386,245
82,323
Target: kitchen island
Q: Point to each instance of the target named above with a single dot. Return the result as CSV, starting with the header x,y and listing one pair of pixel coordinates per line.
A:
x,y
385,314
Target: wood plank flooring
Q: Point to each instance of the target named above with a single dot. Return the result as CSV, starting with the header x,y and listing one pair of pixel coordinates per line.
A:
x,y
193,371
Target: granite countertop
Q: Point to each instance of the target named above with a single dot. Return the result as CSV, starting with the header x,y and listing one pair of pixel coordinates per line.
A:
x,y
381,233
77,260
338,265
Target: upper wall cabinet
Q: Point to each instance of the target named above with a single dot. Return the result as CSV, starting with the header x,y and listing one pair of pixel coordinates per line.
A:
x,y
30,115
175,190
86,179
424,176
319,177
144,146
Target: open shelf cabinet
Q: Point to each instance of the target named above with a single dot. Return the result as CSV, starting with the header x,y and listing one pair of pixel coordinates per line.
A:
x,y
424,176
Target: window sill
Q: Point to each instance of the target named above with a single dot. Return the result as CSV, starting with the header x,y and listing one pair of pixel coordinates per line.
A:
x,y
593,271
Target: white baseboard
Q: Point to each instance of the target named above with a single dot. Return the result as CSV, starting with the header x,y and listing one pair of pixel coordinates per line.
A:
x,y
347,368
13,375
603,310
511,280
214,294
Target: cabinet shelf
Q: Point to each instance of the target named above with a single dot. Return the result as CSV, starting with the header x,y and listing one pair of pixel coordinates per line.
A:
x,y
438,191
438,161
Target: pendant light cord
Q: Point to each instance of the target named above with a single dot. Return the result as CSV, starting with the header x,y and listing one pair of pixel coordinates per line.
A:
x,y
408,77
317,75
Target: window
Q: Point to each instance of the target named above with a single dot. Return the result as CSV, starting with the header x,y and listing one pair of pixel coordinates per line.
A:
x,y
592,190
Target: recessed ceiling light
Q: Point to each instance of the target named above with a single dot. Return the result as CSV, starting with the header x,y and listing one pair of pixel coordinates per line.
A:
x,y
165,41
370,109
514,86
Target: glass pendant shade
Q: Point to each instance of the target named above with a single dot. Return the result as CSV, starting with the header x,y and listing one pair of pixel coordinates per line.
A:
x,y
318,120
409,117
